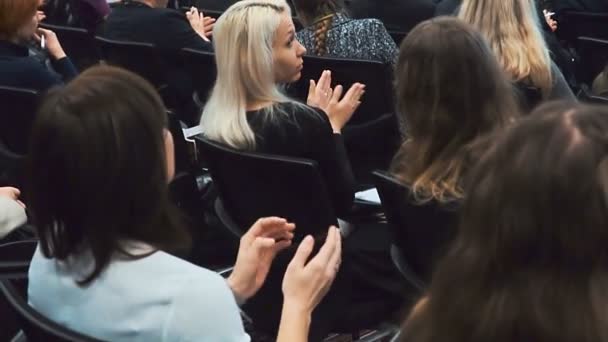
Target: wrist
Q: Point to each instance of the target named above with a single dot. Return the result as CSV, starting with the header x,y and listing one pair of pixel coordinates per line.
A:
x,y
238,289
57,55
295,309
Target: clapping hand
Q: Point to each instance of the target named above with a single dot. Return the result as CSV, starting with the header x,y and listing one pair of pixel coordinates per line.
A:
x,y
257,249
338,108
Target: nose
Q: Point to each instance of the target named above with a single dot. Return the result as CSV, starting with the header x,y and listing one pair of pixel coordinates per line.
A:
x,y
301,49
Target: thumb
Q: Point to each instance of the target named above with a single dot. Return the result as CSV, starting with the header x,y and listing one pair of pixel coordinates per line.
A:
x,y
311,88
303,252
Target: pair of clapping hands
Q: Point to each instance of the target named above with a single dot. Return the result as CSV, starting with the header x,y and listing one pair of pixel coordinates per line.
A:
x,y
339,109
305,282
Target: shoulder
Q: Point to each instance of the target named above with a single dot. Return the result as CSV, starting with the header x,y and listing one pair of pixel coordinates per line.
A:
x,y
373,25
204,308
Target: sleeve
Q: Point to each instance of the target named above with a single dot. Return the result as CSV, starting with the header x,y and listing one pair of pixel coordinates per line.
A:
x,y
387,49
204,310
65,68
334,164
178,34
560,89
12,215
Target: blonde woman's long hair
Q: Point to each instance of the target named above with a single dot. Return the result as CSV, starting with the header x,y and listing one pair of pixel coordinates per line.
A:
x,y
243,41
513,31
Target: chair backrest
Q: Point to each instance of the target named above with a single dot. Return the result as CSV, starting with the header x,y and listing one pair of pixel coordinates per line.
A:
x,y
35,326
421,231
141,58
182,157
593,58
397,36
19,108
586,96
201,65
378,98
78,44
574,24
253,185
58,12
15,258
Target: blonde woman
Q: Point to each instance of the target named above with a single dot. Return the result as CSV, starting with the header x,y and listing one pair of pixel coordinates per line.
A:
x,y
256,50
512,29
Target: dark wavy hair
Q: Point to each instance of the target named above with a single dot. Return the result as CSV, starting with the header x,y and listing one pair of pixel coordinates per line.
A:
x,y
451,92
97,173
530,261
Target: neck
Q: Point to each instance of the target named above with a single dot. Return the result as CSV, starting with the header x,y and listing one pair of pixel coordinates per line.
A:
x,y
257,105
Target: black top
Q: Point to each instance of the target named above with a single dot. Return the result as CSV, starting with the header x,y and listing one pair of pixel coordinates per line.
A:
x,y
166,28
19,69
397,15
306,133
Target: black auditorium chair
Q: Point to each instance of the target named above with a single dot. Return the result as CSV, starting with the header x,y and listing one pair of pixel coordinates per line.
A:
x,y
201,65
586,96
420,231
593,58
253,185
78,44
372,135
15,258
574,24
17,116
377,77
34,325
397,36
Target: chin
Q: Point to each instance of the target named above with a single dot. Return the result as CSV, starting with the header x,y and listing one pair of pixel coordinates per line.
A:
x,y
296,77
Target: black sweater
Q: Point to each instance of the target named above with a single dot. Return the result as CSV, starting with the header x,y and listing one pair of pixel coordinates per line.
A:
x,y
18,69
303,133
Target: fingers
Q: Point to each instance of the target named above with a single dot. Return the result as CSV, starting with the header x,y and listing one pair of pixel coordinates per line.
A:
x,y
324,81
275,228
334,261
311,88
337,93
303,252
328,249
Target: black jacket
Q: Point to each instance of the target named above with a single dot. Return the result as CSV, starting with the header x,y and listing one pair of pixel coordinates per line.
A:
x,y
19,69
166,28
397,15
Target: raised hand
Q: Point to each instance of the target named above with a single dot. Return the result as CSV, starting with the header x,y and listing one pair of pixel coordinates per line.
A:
x,y
257,250
202,25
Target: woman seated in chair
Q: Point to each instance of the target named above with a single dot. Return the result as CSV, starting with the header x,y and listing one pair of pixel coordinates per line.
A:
x,y
19,26
513,30
101,157
530,260
329,31
256,50
451,92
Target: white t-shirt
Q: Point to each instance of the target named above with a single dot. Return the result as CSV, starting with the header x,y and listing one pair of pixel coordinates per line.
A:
x,y
156,298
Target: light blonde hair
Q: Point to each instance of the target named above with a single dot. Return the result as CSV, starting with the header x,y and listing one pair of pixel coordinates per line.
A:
x,y
243,39
513,31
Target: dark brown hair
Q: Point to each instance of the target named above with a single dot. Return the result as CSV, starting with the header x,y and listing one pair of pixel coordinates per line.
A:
x,y
318,14
530,261
450,93
97,172
14,14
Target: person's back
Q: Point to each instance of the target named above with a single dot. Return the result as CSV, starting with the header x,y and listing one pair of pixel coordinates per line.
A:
x,y
167,29
396,15
451,94
331,32
107,306
513,31
19,27
529,262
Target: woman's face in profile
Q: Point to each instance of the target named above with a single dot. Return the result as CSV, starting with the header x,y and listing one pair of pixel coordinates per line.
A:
x,y
27,30
288,52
